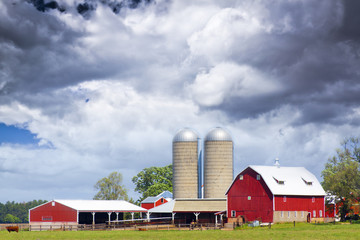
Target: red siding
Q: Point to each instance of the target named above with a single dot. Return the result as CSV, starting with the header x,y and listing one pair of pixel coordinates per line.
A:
x,y
260,206
301,203
151,205
330,210
57,213
158,202
147,205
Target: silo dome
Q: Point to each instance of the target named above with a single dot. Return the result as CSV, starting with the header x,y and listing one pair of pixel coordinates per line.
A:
x,y
218,134
218,163
185,164
185,135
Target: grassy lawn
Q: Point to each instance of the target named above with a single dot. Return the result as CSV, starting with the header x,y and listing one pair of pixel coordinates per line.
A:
x,y
278,231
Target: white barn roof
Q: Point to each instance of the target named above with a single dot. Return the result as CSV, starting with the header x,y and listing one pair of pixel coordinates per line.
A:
x,y
101,205
296,181
191,205
165,194
164,208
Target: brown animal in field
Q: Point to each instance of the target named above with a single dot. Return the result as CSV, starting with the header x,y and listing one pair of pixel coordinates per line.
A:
x,y
12,229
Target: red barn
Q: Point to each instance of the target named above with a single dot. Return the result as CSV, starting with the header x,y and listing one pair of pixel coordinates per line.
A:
x,y
275,194
73,212
151,202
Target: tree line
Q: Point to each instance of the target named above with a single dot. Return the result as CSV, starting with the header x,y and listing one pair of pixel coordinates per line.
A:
x,y
13,212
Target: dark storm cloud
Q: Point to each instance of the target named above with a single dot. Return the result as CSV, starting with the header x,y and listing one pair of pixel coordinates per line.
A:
x,y
40,52
42,6
315,61
33,46
350,27
86,7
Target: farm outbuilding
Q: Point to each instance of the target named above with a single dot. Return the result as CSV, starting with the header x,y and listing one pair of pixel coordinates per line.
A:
x,y
275,194
185,211
73,212
151,202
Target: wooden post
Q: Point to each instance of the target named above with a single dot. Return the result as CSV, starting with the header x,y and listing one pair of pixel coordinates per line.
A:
x,y
294,223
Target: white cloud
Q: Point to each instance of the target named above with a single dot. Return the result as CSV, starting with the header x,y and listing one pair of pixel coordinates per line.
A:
x,y
229,80
228,29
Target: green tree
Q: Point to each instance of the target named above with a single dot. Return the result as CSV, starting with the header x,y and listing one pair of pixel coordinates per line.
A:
x,y
110,188
342,176
18,210
153,180
9,218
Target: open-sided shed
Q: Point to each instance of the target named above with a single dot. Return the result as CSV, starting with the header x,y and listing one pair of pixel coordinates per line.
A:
x,y
191,210
73,212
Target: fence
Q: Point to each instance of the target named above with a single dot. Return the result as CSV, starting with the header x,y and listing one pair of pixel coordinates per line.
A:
x,y
22,226
135,226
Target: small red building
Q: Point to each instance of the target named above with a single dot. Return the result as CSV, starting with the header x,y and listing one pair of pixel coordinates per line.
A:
x,y
58,213
151,202
275,194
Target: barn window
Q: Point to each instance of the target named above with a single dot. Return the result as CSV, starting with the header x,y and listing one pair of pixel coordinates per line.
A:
x,y
53,204
284,199
302,214
241,177
313,199
249,197
314,214
162,200
320,213
281,214
309,183
47,218
233,213
288,214
258,177
295,213
281,182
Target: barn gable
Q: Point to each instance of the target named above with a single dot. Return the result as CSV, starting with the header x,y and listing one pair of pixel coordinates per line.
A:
x,y
52,212
249,198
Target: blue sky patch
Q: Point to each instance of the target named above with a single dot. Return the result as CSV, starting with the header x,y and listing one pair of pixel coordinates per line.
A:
x,y
16,135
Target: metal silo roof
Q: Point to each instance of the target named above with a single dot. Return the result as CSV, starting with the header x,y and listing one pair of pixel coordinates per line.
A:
x,y
185,135
218,134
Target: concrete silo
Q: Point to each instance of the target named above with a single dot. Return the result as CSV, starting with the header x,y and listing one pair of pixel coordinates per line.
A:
x,y
218,163
185,164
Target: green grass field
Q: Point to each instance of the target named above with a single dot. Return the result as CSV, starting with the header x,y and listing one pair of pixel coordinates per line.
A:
x,y
278,231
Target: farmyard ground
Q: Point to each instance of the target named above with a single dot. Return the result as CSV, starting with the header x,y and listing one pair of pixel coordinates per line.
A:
x,y
277,231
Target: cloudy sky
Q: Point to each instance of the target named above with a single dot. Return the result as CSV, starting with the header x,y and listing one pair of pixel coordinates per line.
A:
x,y
88,87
